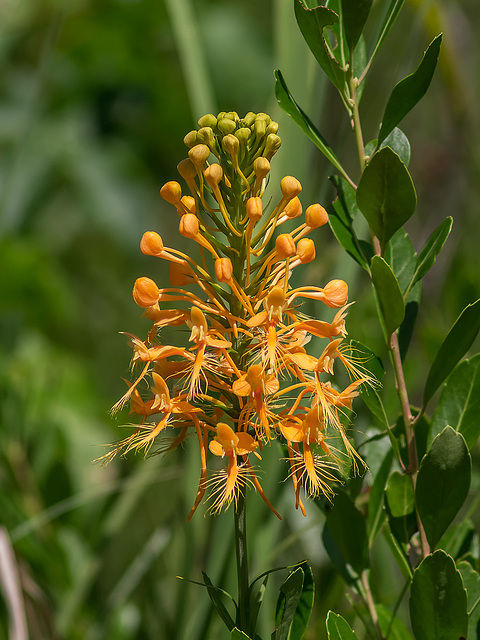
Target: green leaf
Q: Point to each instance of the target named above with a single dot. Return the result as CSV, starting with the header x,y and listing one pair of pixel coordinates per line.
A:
x,y
396,630
341,214
288,599
389,295
430,251
351,538
390,17
454,347
354,14
443,482
312,23
376,515
373,366
305,605
399,494
457,540
438,600
214,594
398,142
338,628
459,404
385,194
405,332
401,256
471,582
288,104
236,634
410,90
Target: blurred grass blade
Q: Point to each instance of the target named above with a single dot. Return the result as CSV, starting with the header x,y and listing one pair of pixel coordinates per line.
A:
x,y
11,589
192,57
391,16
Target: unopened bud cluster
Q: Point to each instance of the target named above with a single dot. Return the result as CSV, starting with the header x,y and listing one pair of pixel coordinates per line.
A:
x,y
245,377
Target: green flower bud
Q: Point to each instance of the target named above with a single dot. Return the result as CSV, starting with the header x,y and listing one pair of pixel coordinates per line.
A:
x,y
232,115
272,145
230,144
243,134
272,127
190,139
259,128
263,117
208,120
205,136
199,154
225,125
249,119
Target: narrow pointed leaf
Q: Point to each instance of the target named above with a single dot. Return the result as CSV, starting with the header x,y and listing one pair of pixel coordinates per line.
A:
x,y
354,16
304,606
338,628
385,194
340,216
454,347
288,104
312,23
215,597
438,600
410,90
443,482
290,594
433,246
389,295
459,404
402,258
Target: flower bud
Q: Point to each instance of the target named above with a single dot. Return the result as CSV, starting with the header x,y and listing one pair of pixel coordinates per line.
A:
x,y
199,154
190,140
306,250
261,166
272,128
186,169
145,292
290,187
189,204
171,192
293,208
205,136
213,174
316,216
272,145
259,128
208,120
189,226
243,134
223,269
232,115
254,209
285,246
230,144
249,119
179,274
263,117
225,126
336,293
151,244
227,438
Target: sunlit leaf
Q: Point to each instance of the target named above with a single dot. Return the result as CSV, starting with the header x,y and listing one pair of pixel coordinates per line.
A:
x,y
443,482
459,339
438,600
410,90
338,628
385,194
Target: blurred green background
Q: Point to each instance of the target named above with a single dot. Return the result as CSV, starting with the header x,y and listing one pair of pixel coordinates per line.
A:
x,y
95,98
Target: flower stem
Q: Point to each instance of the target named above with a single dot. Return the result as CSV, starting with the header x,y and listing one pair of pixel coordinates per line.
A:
x,y
243,602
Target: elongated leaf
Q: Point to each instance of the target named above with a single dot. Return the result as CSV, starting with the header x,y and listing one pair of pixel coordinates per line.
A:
x,y
405,332
397,629
352,540
288,104
471,582
443,482
459,404
454,347
338,628
410,90
288,599
236,634
376,514
385,194
305,605
390,17
438,600
398,142
389,295
341,214
401,256
430,251
215,597
400,496
312,23
354,15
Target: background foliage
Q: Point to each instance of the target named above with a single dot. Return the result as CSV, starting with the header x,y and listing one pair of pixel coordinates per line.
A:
x,y
95,98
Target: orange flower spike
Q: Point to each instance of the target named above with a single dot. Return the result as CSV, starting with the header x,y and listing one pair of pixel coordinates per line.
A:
x,y
256,380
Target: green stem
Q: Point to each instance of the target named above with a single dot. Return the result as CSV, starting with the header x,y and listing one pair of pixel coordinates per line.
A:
x,y
243,602
355,115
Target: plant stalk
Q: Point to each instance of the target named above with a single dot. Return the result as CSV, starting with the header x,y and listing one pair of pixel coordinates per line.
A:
x,y
243,603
